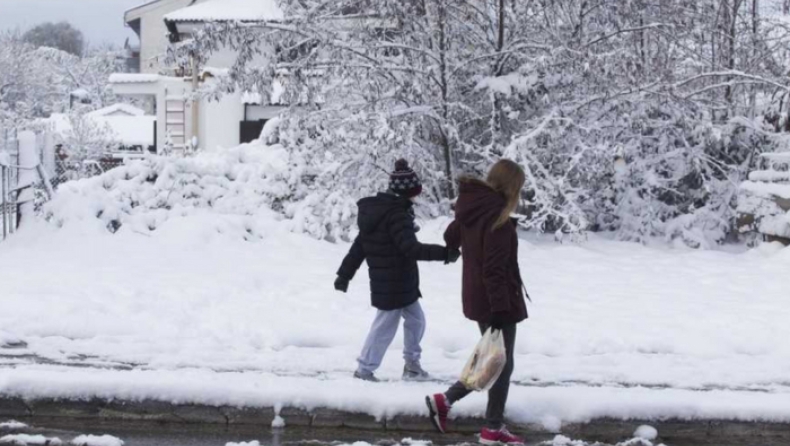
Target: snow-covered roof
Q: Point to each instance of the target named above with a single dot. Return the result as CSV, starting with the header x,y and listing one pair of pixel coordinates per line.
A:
x,y
229,11
128,130
133,78
142,5
123,109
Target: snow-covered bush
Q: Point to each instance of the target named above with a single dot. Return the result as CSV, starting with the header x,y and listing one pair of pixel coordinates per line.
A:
x,y
764,200
36,82
250,181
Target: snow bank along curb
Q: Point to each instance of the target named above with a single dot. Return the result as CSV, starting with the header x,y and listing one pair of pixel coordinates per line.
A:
x,y
160,412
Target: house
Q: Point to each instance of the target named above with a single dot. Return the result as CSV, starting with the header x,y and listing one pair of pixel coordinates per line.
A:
x,y
147,21
131,57
184,121
123,124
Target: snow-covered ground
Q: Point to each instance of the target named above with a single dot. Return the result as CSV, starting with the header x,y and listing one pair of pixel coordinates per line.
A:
x,y
193,312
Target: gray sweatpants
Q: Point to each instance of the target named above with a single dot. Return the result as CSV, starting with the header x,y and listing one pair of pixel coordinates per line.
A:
x,y
383,331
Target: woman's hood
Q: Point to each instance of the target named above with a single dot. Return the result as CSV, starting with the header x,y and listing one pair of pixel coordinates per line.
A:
x,y
477,200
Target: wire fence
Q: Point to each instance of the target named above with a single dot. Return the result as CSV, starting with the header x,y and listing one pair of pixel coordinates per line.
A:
x,y
64,170
24,189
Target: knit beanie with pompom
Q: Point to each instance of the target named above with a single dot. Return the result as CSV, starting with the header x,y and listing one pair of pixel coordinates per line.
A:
x,y
403,181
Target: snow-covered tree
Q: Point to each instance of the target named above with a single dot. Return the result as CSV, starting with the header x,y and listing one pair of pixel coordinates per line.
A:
x,y
63,36
34,83
639,117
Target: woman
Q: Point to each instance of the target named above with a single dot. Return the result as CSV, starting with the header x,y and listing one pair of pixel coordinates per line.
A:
x,y
492,286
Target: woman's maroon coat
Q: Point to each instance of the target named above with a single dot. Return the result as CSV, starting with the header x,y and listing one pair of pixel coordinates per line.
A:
x,y
491,277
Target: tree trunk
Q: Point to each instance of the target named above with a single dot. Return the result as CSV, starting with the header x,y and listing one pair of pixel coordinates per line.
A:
x,y
732,28
443,68
755,43
642,51
501,40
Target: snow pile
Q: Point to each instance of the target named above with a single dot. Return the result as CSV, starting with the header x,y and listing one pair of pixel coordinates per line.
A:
x,y
404,442
766,197
30,440
236,190
97,440
251,443
278,422
12,425
561,440
7,339
646,433
767,189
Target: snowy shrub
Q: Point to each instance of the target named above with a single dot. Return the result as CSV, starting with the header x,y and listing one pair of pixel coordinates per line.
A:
x,y
252,181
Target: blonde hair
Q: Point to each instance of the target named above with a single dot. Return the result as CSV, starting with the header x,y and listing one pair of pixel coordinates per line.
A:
x,y
507,178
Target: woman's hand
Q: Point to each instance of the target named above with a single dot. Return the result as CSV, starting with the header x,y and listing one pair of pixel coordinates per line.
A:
x,y
498,320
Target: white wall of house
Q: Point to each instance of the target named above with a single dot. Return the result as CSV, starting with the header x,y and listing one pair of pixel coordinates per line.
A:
x,y
153,31
219,122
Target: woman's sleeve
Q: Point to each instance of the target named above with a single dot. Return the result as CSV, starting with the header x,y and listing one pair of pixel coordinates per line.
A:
x,y
452,236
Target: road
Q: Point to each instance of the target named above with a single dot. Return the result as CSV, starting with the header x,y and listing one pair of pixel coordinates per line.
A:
x,y
147,434
134,434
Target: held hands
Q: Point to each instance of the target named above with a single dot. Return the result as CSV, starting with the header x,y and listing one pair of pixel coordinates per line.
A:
x,y
341,284
452,256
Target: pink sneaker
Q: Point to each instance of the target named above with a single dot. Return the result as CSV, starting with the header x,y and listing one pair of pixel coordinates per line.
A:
x,y
498,437
439,409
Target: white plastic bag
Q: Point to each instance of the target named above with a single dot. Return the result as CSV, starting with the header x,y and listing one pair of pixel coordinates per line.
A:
x,y
487,362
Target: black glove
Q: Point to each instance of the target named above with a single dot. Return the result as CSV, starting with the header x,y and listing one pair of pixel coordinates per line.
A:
x,y
498,320
341,284
452,256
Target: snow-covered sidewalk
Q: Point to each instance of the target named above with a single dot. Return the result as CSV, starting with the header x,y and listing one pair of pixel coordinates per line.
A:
x,y
193,313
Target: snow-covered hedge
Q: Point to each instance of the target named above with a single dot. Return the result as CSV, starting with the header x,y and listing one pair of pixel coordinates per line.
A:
x,y
767,203
250,181
764,200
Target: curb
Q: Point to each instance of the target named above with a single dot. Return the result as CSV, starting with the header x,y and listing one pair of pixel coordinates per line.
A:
x,y
158,413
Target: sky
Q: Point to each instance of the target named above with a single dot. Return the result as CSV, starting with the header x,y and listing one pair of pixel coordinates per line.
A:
x,y
100,20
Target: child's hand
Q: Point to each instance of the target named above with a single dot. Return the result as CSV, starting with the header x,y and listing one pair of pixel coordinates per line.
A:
x,y
452,256
341,284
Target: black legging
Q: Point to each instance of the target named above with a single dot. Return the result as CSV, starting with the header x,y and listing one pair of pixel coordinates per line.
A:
x,y
497,396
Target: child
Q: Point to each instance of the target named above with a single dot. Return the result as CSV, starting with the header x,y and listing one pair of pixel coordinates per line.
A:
x,y
387,240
